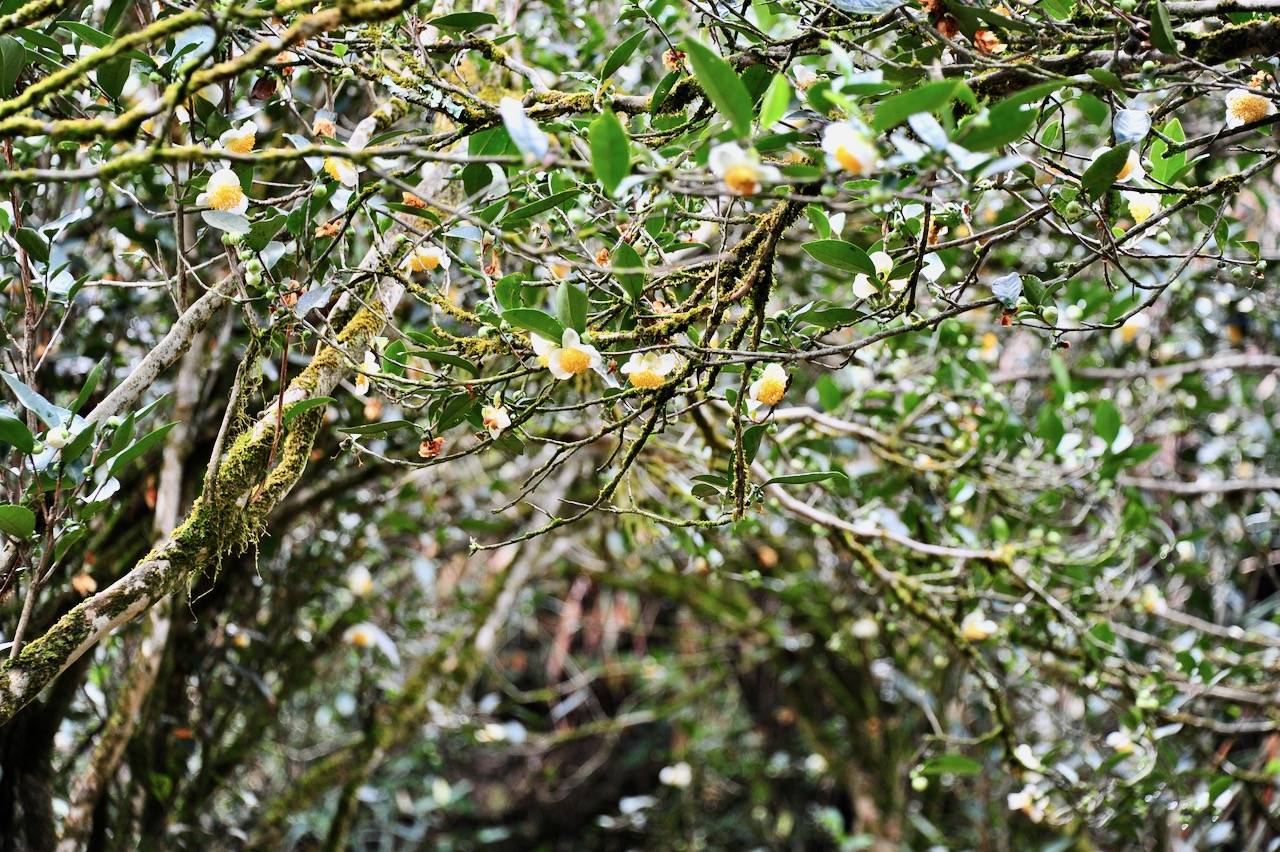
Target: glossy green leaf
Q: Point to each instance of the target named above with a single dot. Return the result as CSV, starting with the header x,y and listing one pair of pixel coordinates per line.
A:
x,y
722,85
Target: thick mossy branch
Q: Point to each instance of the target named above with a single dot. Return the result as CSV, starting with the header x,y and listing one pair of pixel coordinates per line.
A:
x,y
230,513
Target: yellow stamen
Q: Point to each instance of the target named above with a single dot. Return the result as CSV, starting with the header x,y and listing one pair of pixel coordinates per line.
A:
x,y
742,179
242,144
574,361
333,167
770,391
422,262
646,379
226,197
1248,108
848,160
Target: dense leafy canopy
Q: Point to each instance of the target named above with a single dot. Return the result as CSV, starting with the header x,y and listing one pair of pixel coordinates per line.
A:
x,y
774,424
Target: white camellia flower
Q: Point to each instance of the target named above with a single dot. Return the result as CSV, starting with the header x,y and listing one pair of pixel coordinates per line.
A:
x,y
741,169
849,148
649,370
367,635
370,366
342,170
865,628
239,140
1142,205
679,775
1130,171
805,76
1151,600
864,286
571,358
360,581
976,626
1133,330
227,202
1027,757
768,390
426,259
1027,800
1121,742
1246,107
495,419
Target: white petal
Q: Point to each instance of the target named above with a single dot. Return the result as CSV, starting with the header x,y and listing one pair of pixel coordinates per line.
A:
x,y
232,223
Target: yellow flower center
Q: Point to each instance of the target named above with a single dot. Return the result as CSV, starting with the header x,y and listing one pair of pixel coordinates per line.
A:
x,y
1141,211
574,361
422,262
771,391
333,167
1248,108
849,161
226,196
646,379
242,144
361,639
989,342
742,179
324,127
490,422
1124,172
544,360
1129,332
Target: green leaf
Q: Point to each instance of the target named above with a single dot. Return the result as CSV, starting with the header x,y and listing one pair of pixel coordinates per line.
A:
x,y
1162,29
1165,167
90,385
112,75
13,58
751,438
610,152
542,205
393,358
722,85
539,322
572,306
304,405
34,244
1108,79
87,34
139,447
775,101
17,521
14,432
1101,174
1002,124
951,764
1059,9
463,20
841,255
930,97
803,478
51,414
1106,420
446,358
621,54
661,91
626,257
